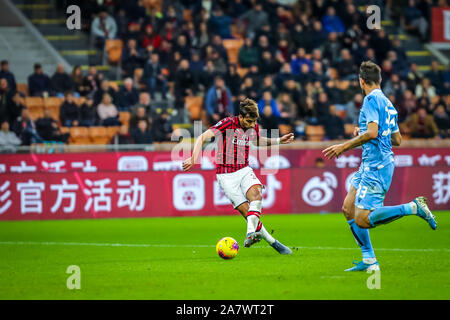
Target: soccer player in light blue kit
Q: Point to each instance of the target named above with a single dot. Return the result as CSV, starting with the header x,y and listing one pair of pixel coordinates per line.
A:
x,y
378,131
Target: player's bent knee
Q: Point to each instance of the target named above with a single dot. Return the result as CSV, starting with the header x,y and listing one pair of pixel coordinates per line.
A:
x,y
254,194
348,211
345,209
348,207
362,219
359,222
257,198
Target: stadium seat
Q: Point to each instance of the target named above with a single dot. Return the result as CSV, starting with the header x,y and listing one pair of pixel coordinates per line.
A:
x,y
80,100
187,15
114,85
435,99
111,131
65,130
52,102
98,135
342,113
22,88
22,100
315,133
349,127
114,49
124,118
34,102
233,46
194,106
242,72
79,135
36,112
54,111
156,4
284,129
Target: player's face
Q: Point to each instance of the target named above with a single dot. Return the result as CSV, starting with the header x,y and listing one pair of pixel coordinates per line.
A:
x,y
247,122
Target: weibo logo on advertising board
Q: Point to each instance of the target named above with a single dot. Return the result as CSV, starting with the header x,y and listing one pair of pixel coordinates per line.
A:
x,y
318,192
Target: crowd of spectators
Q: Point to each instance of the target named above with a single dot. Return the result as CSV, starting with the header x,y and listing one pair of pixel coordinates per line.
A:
x,y
301,58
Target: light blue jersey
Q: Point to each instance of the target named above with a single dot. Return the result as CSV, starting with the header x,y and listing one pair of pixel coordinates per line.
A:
x,y
377,108
374,176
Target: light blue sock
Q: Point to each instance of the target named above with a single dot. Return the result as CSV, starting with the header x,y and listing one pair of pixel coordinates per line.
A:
x,y
388,214
363,239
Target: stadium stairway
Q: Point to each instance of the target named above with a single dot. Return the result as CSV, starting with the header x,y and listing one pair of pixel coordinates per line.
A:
x,y
49,18
416,51
74,45
22,50
22,45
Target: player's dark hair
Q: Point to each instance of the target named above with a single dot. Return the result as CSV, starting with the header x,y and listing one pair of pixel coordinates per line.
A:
x,y
370,73
249,108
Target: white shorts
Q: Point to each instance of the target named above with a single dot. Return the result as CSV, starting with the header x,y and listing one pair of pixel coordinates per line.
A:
x,y
236,184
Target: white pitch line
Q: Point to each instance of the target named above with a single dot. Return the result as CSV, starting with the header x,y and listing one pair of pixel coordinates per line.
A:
x,y
145,245
94,244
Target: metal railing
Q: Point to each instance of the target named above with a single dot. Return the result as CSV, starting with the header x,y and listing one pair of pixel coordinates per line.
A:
x,y
37,35
63,148
168,146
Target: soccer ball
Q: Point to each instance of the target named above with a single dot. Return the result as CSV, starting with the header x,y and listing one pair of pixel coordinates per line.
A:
x,y
227,248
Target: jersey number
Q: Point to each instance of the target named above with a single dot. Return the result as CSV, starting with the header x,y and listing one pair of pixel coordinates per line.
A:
x,y
390,122
361,192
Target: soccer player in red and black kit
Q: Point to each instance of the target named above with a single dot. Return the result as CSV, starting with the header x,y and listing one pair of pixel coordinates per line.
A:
x,y
238,181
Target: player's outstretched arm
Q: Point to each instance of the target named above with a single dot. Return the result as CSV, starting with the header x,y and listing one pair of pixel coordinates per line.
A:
x,y
265,142
396,138
189,162
338,149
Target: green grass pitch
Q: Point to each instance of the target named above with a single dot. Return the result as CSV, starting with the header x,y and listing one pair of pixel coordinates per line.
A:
x,y
175,258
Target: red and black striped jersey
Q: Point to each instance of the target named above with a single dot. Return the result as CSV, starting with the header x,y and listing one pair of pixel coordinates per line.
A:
x,y
233,144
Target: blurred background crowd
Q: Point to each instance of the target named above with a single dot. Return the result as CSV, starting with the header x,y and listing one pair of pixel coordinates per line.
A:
x,y
180,61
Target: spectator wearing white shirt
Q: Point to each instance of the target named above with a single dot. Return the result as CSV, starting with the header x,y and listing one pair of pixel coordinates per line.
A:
x,y
103,27
107,112
425,87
